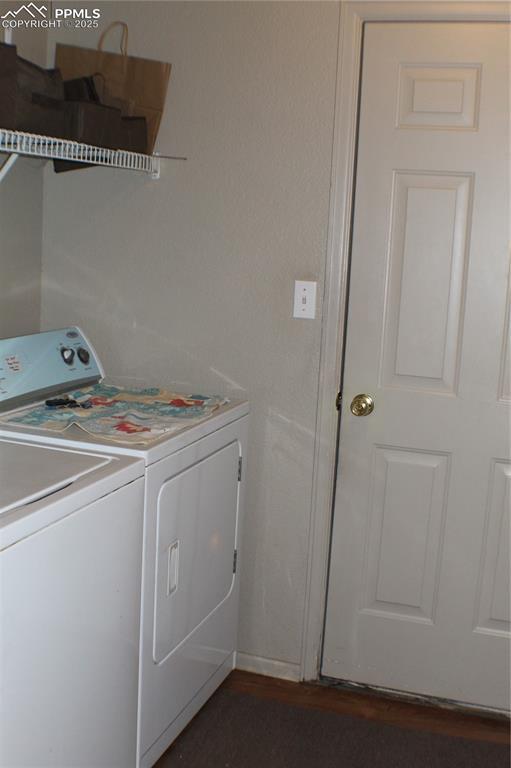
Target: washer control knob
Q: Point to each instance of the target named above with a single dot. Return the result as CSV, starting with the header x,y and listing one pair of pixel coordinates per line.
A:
x,y
83,355
67,355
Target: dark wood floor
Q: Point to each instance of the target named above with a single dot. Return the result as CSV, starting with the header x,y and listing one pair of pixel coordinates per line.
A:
x,y
424,717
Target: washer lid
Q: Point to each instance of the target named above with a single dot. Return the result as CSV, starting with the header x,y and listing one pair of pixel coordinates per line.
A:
x,y
32,472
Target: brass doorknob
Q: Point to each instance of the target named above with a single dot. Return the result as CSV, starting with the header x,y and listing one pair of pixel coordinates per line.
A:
x,y
362,405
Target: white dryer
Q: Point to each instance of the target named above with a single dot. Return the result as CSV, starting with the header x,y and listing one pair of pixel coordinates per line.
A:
x,y
194,486
70,563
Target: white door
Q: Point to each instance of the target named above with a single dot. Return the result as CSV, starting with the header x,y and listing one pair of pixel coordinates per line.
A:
x,y
419,576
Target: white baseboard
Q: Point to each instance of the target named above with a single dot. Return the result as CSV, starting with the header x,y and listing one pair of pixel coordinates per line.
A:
x,y
269,667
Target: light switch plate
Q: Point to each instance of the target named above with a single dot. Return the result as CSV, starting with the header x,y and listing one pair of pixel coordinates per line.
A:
x,y
305,299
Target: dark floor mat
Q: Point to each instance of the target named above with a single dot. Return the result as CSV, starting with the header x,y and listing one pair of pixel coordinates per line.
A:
x,y
236,730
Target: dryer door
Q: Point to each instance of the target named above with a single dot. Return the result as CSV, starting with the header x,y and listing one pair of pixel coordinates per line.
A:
x,y
196,533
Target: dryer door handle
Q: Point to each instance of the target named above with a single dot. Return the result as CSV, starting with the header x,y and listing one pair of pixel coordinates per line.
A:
x,y
173,567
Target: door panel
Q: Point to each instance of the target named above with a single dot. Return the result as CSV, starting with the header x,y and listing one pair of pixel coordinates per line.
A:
x,y
504,391
419,589
424,301
443,96
402,580
493,613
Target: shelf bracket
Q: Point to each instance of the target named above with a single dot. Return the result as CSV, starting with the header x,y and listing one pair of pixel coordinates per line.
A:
x,y
155,174
7,165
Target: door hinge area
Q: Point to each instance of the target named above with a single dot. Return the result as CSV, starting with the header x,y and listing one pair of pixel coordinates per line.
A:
x,y
235,561
240,465
338,400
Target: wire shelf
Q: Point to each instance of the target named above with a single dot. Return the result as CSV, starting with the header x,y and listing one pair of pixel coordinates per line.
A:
x,y
50,148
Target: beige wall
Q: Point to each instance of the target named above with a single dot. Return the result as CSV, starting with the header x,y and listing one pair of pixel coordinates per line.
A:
x,y
189,279
20,249
21,205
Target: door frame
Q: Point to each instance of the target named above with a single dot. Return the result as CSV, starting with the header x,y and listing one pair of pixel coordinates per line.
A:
x,y
353,16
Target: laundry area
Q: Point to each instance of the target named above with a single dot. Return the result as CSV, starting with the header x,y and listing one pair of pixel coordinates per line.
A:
x,y
255,354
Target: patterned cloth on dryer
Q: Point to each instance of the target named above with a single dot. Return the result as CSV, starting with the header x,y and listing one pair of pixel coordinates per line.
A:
x,y
138,416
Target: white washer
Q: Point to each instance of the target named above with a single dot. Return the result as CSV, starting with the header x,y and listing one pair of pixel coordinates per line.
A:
x,y
70,563
194,485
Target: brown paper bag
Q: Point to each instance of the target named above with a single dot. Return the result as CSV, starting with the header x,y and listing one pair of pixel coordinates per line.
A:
x,y
136,86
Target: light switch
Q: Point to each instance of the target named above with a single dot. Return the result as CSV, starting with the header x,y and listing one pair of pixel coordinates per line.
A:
x,y
305,299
